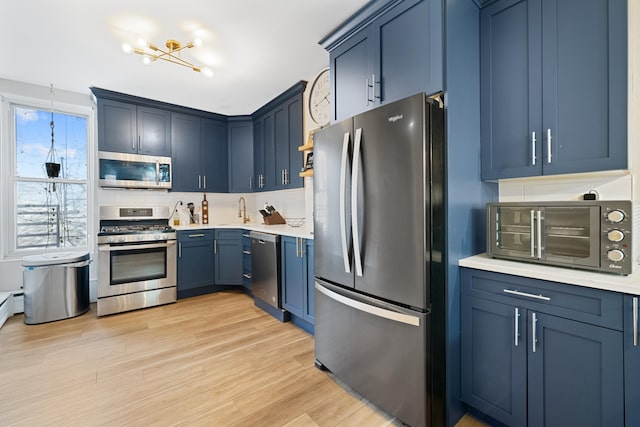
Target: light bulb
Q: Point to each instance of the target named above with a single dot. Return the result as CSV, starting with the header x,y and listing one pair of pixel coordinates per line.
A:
x,y
126,48
197,42
207,72
146,59
142,42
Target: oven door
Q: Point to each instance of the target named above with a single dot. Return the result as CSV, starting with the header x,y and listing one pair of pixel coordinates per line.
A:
x,y
128,268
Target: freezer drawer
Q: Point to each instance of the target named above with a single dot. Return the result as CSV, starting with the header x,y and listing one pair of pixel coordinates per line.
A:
x,y
377,349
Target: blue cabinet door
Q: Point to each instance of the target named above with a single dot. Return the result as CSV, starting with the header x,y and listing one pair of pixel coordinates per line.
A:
x,y
269,141
246,261
351,71
575,374
228,257
215,156
296,139
281,145
186,156
553,87
584,65
154,131
117,129
494,359
195,259
631,360
511,86
240,135
309,302
408,58
258,153
293,276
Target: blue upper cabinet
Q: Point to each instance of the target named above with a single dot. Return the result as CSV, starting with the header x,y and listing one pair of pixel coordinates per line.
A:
x,y
199,154
128,128
277,133
384,53
240,134
553,87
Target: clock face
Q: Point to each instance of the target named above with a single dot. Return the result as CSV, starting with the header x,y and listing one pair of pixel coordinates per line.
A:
x,y
320,99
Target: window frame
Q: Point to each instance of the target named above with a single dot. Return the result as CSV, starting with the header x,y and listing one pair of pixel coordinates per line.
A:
x,y
8,179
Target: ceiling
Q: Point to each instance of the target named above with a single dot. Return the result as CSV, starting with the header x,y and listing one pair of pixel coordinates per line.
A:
x,y
256,48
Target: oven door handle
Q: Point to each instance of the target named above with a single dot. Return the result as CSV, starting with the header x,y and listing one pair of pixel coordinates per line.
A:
x,y
128,247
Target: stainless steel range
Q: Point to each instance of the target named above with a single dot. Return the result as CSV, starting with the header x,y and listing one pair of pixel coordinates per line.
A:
x,y
136,259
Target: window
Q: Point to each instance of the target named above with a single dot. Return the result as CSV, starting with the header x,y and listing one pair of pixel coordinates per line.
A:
x,y
49,212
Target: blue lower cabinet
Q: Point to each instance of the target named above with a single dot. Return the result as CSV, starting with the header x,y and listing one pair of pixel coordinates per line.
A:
x,y
529,358
632,360
297,288
228,257
246,262
195,261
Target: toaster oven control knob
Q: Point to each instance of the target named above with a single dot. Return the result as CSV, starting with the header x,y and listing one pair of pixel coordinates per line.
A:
x,y
615,216
615,255
615,236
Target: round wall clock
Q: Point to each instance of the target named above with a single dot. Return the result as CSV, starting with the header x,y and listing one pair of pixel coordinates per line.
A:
x,y
320,98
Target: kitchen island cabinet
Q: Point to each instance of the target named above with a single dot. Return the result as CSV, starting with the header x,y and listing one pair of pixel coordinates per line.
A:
x,y
385,53
553,87
541,353
129,128
297,280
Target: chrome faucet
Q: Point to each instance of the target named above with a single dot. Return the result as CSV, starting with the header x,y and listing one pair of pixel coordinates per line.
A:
x,y
242,210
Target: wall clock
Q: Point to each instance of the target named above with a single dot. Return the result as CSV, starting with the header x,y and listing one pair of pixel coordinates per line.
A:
x,y
320,98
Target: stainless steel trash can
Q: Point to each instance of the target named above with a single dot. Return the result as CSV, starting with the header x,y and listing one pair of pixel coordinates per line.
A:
x,y
56,286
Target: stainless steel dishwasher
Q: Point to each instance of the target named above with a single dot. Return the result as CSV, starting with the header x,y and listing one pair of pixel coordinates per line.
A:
x,y
265,273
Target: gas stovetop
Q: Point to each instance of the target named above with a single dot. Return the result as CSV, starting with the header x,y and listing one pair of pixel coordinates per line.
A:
x,y
107,230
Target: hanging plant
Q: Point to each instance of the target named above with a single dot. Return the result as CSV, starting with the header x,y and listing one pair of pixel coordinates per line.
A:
x,y
52,164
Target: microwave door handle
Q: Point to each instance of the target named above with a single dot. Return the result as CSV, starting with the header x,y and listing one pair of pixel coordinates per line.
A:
x,y
539,234
531,233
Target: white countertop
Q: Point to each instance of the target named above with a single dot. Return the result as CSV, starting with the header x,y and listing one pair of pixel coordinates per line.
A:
x,y
305,231
628,284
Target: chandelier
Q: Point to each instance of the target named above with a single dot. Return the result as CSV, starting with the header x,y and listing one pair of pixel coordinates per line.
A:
x,y
151,52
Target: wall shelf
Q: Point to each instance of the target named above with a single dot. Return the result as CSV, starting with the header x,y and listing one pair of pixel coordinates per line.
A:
x,y
306,147
308,172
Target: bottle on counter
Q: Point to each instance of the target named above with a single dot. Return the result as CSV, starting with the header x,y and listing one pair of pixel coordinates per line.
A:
x,y
205,210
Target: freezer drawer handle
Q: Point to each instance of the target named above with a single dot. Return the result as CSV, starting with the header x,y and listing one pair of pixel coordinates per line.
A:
x,y
524,294
355,171
373,310
343,209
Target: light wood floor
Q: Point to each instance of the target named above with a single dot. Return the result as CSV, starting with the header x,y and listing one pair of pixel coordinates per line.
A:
x,y
215,360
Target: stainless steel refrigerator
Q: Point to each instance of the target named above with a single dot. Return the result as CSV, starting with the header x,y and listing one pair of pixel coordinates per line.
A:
x,y
379,256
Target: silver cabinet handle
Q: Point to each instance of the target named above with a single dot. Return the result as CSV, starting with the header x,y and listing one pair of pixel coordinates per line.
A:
x,y
517,332
286,176
297,247
199,181
246,252
366,87
531,233
548,145
250,183
635,321
246,235
355,170
204,181
343,209
539,233
524,294
367,308
302,251
533,148
139,143
534,340
215,246
195,235
373,87
282,176
179,250
246,276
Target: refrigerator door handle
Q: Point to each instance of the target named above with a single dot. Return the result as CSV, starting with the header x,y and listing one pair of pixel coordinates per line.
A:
x,y
343,208
371,309
355,171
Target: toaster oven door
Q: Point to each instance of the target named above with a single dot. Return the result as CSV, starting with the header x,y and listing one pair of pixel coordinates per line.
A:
x,y
511,231
571,235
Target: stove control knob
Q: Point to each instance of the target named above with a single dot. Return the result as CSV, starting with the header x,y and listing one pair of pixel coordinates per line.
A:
x,y
110,240
140,238
122,239
615,216
615,255
158,236
615,235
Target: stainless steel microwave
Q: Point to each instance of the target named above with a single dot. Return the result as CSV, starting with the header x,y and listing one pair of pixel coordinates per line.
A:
x,y
591,235
123,170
